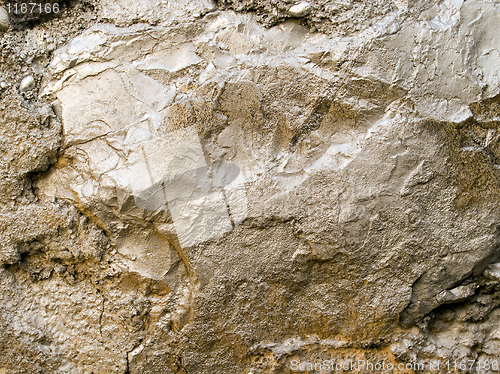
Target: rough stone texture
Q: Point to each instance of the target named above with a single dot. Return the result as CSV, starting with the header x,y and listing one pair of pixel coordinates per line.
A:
x,y
232,187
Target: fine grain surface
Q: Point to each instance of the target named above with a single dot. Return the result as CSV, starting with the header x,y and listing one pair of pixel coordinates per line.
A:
x,y
241,186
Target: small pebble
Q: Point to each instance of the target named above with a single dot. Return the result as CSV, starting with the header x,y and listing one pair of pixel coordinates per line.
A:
x,y
4,19
300,10
493,271
27,84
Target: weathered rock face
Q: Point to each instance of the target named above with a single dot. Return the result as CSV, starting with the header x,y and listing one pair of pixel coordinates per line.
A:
x,y
236,187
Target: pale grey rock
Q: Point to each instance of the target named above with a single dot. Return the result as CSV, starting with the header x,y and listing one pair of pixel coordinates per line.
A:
x,y
4,19
300,10
493,271
125,13
229,196
27,84
456,295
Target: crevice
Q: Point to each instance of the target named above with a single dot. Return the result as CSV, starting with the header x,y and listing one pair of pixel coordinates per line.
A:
x,y
127,367
179,365
427,296
86,141
127,356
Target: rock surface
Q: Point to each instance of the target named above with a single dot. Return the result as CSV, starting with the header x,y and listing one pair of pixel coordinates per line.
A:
x,y
4,19
220,187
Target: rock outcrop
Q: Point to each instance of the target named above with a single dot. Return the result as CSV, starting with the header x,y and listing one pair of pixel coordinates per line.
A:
x,y
243,186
